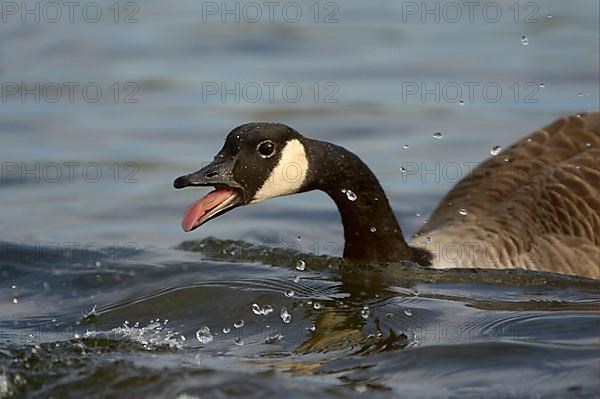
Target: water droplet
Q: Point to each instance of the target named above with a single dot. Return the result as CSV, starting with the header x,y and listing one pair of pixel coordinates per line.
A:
x,y
226,330
238,341
463,211
402,169
542,85
273,339
549,16
285,316
296,279
76,335
300,265
373,229
588,145
351,195
429,239
98,264
267,309
389,315
405,146
299,238
239,324
289,293
437,135
360,388
418,214
256,309
316,305
580,95
408,312
204,336
15,300
13,286
495,150
461,102
365,312
506,159
524,40
312,328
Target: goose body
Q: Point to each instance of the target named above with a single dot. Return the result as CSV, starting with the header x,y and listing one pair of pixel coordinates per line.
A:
x,y
536,205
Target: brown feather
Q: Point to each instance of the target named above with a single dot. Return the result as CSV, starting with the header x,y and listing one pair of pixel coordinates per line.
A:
x,y
535,205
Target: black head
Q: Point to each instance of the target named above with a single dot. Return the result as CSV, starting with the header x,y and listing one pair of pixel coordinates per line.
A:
x,y
258,161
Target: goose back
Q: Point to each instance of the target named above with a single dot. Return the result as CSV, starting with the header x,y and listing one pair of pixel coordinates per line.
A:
x,y
535,205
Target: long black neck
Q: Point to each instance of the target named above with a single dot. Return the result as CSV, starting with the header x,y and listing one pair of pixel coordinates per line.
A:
x,y
371,231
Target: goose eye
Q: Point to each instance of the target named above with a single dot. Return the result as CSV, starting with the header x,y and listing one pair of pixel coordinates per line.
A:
x,y
266,149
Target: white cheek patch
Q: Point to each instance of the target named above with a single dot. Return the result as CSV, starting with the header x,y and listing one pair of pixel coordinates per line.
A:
x,y
288,175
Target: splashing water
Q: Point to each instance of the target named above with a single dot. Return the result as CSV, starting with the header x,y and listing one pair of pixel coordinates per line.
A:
x,y
4,387
151,337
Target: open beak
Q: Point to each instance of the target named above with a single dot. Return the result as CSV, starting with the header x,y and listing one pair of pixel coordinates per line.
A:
x,y
227,194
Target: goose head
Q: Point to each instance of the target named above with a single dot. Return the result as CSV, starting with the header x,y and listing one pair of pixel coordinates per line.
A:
x,y
258,161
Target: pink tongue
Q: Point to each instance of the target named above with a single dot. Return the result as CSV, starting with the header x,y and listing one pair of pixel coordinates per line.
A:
x,y
203,206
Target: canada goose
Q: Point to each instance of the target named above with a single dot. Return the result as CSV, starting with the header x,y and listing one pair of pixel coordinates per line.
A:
x,y
535,205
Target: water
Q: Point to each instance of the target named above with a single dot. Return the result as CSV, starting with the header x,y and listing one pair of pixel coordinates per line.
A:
x,y
98,293
156,327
